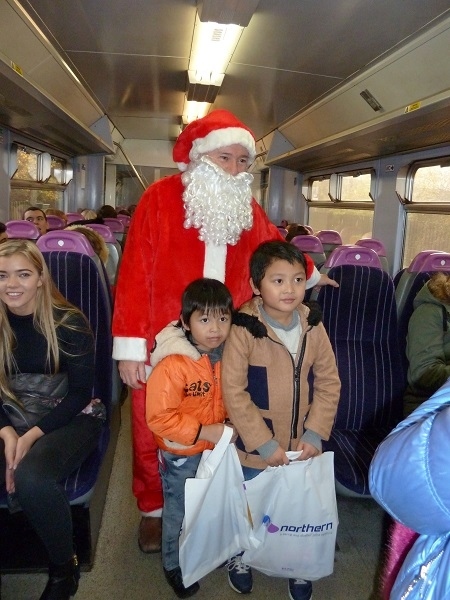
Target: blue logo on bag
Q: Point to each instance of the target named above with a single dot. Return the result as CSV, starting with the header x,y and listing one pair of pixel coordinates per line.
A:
x,y
271,528
308,528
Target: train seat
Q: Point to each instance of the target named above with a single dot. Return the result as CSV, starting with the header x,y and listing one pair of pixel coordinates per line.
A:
x,y
22,229
312,246
117,227
126,220
115,249
330,239
361,320
73,241
55,222
379,248
77,277
74,216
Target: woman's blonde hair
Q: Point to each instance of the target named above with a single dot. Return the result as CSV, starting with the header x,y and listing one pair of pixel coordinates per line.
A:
x,y
88,213
52,310
95,239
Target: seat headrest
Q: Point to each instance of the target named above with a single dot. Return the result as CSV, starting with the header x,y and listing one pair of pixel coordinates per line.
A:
x,y
55,222
373,243
430,260
308,243
104,231
353,255
22,229
125,219
114,224
63,239
329,236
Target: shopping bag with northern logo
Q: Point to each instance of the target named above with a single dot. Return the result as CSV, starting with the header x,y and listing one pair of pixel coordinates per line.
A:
x,y
295,520
216,524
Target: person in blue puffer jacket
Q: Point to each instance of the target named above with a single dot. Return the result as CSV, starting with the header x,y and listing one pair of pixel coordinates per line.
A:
x,y
409,477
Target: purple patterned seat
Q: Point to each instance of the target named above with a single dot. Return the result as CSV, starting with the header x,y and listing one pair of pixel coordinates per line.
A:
x,y
312,246
379,248
55,222
330,240
126,219
74,216
22,229
361,321
114,248
65,239
353,255
117,227
104,231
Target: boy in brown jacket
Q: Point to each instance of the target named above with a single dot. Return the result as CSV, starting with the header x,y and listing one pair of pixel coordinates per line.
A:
x,y
274,343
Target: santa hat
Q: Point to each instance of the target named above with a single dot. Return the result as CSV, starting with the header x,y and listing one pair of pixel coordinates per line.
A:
x,y
218,129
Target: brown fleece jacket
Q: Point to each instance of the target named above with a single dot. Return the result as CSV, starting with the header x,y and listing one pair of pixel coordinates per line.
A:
x,y
266,395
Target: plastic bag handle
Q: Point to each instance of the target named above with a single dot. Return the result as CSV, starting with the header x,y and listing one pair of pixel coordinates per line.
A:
x,y
216,455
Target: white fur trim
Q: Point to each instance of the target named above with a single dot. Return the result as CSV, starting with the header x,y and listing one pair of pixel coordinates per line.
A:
x,y
220,138
130,348
215,259
313,280
153,513
182,166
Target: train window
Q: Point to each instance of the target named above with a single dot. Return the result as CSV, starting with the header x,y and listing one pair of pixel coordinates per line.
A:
x,y
332,204
320,189
427,213
39,180
355,186
27,164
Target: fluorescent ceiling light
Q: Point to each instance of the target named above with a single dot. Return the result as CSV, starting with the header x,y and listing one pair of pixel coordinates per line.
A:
x,y
212,48
194,110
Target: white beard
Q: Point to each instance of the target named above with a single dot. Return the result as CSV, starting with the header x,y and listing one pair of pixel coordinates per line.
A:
x,y
216,203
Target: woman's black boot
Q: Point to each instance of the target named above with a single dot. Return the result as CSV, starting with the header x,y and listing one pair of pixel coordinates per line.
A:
x,y
63,580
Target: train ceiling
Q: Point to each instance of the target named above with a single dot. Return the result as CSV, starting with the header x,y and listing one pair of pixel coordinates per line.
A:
x,y
133,57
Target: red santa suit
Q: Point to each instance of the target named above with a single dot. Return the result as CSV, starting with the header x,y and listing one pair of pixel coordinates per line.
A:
x,y
161,258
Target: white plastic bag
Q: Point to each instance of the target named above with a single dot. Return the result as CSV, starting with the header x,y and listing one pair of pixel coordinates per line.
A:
x,y
295,520
216,524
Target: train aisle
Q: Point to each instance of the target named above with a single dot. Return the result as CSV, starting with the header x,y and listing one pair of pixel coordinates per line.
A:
x,y
122,571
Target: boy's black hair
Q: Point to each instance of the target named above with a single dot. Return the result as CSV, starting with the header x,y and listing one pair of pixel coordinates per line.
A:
x,y
206,295
267,252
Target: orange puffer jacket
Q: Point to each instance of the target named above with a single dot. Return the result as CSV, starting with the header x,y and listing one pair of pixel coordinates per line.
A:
x,y
183,393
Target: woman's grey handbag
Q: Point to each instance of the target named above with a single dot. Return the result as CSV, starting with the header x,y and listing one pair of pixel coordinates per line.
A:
x,y
37,393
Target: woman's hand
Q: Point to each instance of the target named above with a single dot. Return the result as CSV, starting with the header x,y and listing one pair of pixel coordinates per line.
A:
x,y
24,444
10,438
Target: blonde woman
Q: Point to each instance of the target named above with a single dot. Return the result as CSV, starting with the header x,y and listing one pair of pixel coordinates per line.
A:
x,y
42,334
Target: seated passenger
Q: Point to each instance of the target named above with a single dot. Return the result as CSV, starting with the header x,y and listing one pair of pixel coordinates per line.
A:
x,y
47,358
107,212
58,213
428,342
38,217
95,239
3,234
295,229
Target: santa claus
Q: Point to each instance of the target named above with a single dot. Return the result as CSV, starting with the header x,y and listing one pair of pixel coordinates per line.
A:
x,y
202,222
